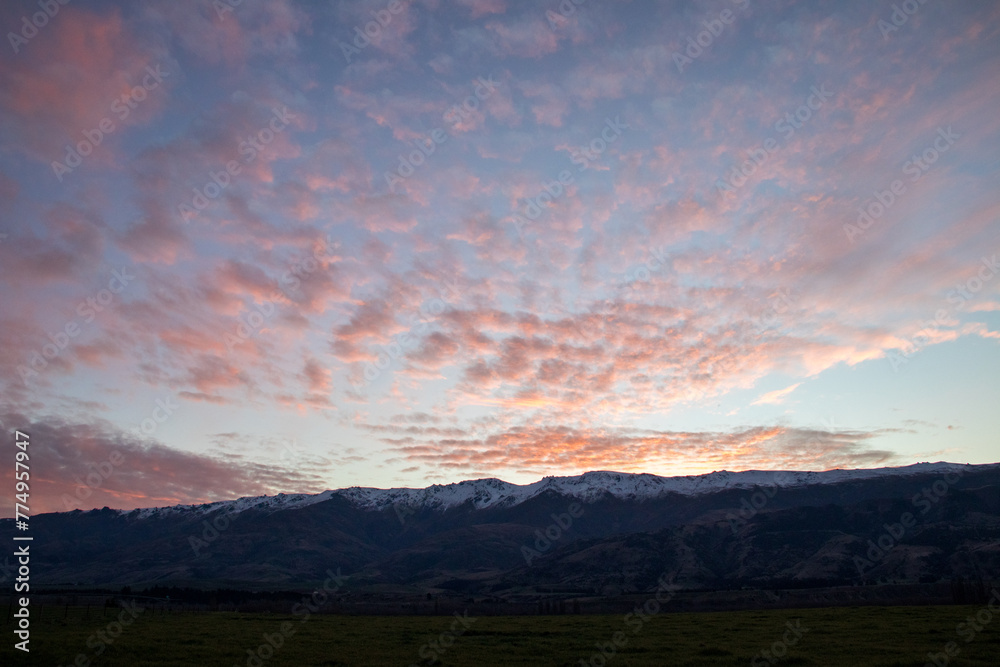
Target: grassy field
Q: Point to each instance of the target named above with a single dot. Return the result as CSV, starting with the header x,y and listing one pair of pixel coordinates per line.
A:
x,y
898,636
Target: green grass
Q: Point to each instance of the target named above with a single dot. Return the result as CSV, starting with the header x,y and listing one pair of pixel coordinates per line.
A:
x,y
877,636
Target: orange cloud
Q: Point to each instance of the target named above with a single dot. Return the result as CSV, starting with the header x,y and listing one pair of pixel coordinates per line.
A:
x,y
558,449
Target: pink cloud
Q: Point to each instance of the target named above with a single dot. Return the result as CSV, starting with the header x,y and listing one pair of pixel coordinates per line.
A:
x,y
478,8
89,62
552,104
91,465
527,37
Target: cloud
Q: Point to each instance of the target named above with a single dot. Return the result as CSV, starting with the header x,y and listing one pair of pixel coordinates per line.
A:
x,y
317,377
561,449
984,307
91,465
479,8
528,36
70,82
777,396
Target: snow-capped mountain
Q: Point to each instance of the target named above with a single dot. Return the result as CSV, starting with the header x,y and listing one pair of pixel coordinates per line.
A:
x,y
722,529
492,492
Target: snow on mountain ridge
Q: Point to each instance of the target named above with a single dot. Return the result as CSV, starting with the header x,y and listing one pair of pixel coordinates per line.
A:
x,y
493,492
280,501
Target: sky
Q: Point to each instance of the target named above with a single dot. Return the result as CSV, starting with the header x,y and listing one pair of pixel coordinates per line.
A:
x,y
253,247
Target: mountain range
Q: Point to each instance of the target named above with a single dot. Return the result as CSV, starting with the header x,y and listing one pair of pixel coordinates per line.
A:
x,y
492,492
599,534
